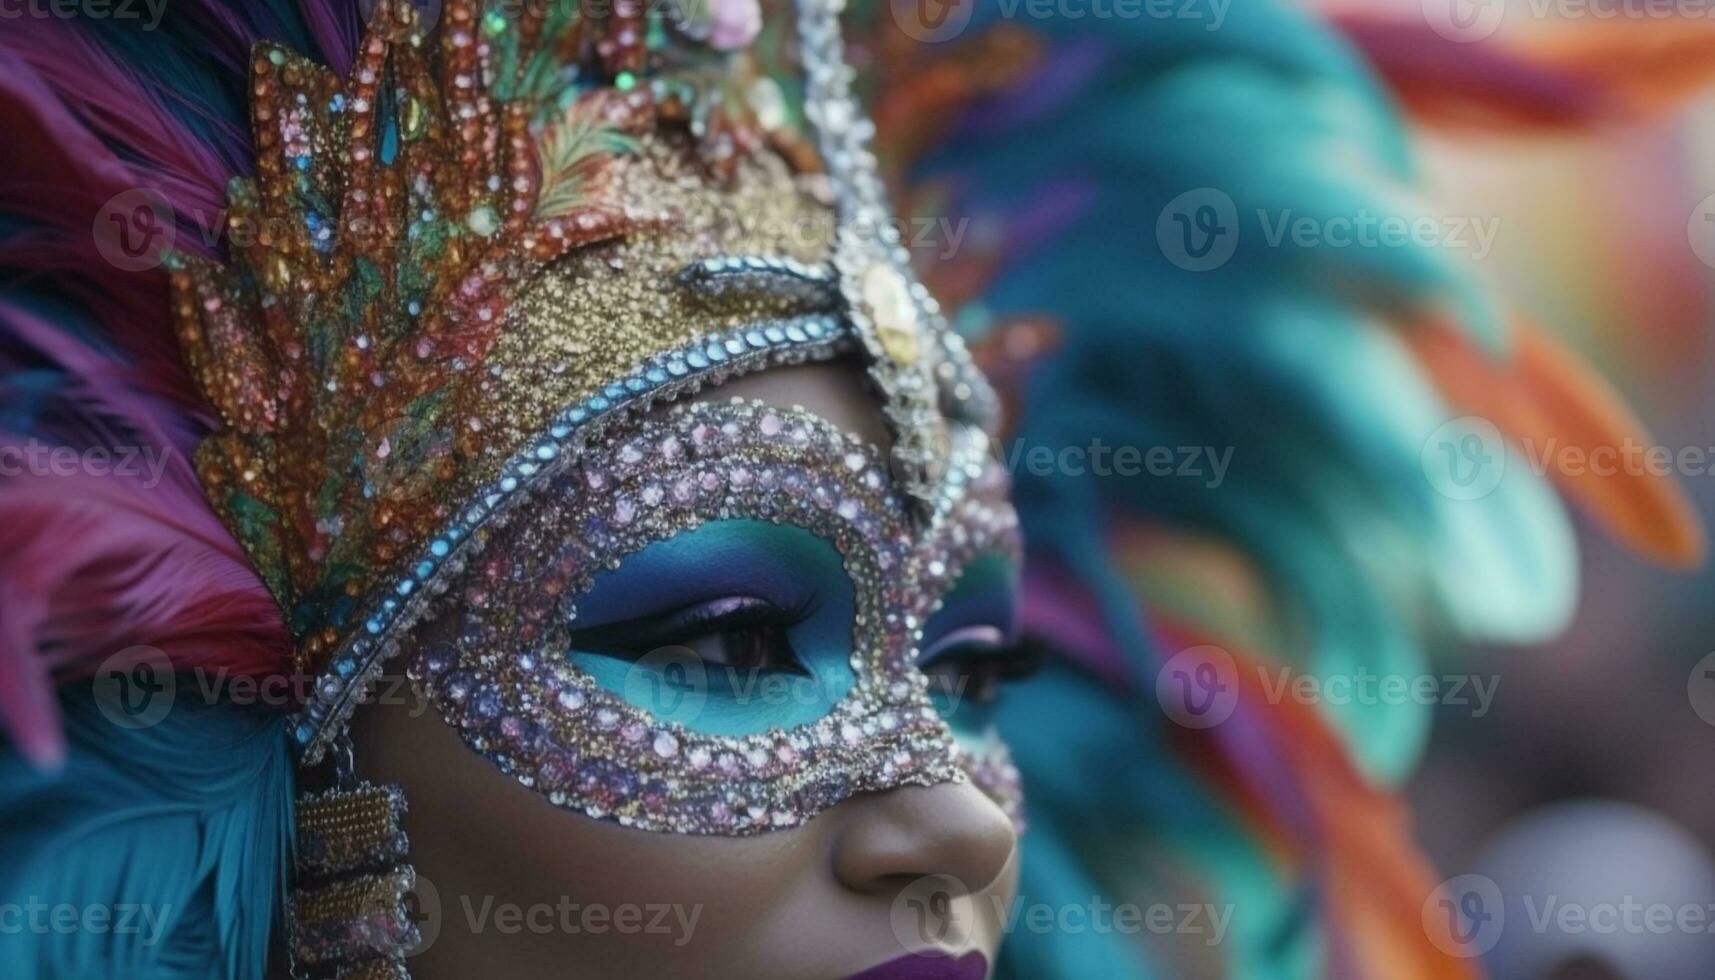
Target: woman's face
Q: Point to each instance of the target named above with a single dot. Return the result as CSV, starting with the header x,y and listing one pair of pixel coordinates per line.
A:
x,y
909,881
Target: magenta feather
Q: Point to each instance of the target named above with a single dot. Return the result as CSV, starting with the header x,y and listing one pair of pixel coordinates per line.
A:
x,y
121,109
98,563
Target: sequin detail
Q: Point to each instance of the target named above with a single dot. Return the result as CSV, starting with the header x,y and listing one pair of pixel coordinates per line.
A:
x,y
505,683
677,373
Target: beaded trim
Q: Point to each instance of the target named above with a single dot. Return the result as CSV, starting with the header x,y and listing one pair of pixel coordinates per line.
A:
x,y
341,831
922,367
664,377
978,520
763,273
538,717
988,763
352,921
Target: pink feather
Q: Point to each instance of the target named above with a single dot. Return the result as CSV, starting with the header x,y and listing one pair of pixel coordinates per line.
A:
x,y
98,563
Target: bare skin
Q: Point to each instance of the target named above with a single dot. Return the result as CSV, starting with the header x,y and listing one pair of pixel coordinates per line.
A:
x,y
525,889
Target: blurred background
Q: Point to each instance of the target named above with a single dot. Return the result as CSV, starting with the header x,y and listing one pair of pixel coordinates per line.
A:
x,y
1587,777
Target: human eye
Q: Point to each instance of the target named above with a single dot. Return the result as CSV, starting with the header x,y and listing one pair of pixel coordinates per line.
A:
x,y
756,618
971,664
970,645
739,633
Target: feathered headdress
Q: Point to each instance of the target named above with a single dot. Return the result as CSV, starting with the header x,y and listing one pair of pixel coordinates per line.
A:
x,y
393,197
1323,546
410,268
407,318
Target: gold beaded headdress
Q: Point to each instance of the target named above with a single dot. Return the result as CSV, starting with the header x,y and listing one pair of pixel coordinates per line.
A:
x,y
495,237
452,273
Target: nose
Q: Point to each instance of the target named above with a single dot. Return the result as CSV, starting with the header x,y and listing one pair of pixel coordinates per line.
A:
x,y
891,839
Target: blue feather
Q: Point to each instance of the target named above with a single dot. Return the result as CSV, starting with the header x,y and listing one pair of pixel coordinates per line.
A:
x,y
182,828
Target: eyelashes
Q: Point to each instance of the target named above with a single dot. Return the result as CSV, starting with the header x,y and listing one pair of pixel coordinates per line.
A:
x,y
749,634
971,664
739,632
969,640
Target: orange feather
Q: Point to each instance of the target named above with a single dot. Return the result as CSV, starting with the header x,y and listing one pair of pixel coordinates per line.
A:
x,y
1362,849
1554,408
1647,65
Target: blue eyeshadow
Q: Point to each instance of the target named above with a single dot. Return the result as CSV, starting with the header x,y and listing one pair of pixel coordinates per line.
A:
x,y
788,566
986,594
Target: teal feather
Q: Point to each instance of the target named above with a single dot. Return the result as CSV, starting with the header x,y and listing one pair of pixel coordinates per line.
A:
x,y
1289,355
189,820
1145,834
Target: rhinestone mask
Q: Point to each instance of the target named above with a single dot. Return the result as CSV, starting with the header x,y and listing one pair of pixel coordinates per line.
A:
x,y
472,269
505,682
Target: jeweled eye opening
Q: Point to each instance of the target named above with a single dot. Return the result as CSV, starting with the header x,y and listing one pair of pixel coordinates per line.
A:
x,y
739,633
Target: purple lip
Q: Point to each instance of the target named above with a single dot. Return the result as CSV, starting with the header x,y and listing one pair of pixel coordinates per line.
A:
x,y
929,966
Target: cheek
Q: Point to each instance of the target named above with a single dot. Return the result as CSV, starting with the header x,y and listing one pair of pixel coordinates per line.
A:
x,y
484,841
763,907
